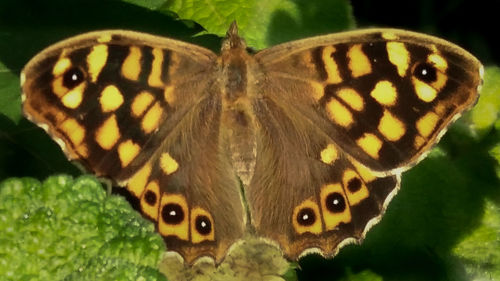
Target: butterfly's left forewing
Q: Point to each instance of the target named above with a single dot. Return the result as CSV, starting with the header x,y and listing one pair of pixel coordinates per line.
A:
x,y
135,108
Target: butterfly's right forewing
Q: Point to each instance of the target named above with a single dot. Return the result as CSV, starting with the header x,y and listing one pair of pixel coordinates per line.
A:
x,y
384,96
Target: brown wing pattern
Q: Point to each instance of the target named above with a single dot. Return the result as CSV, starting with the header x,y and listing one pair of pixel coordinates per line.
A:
x,y
318,130
341,117
145,112
384,96
325,197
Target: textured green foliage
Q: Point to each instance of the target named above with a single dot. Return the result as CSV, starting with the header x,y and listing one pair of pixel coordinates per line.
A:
x,y
70,229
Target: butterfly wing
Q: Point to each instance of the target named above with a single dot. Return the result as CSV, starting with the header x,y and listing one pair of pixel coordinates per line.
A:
x,y
383,95
341,117
145,112
306,192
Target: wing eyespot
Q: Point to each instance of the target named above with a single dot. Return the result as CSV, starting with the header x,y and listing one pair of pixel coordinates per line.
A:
x,y
335,202
73,77
425,72
172,213
203,225
306,217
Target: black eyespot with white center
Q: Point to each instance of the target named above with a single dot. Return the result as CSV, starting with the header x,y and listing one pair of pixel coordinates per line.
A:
x,y
335,202
73,77
425,72
203,225
172,213
306,217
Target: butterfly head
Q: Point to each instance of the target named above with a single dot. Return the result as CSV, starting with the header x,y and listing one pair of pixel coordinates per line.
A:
x,y
232,39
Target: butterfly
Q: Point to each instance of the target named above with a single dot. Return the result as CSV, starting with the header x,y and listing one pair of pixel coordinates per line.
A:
x,y
302,144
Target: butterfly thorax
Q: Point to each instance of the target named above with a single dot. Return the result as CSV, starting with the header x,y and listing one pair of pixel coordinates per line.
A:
x,y
237,67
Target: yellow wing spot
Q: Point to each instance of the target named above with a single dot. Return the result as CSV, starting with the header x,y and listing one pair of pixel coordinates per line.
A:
x,y
168,164
152,118
317,91
419,142
96,60
131,67
168,93
334,205
104,38
331,66
424,91
108,133
178,229
438,61
127,151
61,66
75,132
427,123
154,79
329,154
363,171
83,150
138,181
352,98
355,187
359,64
73,98
389,36
399,56
370,144
391,127
141,103
58,87
385,93
338,113
148,207
441,78
111,98
306,218
197,236
440,109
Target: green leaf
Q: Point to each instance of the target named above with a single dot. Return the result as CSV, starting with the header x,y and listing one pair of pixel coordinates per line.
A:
x,y
262,23
480,251
10,98
66,228
486,112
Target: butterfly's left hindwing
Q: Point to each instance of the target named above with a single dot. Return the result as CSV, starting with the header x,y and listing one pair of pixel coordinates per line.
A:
x,y
133,108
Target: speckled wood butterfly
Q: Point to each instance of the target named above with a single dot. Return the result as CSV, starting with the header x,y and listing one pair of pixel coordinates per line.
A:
x,y
302,144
